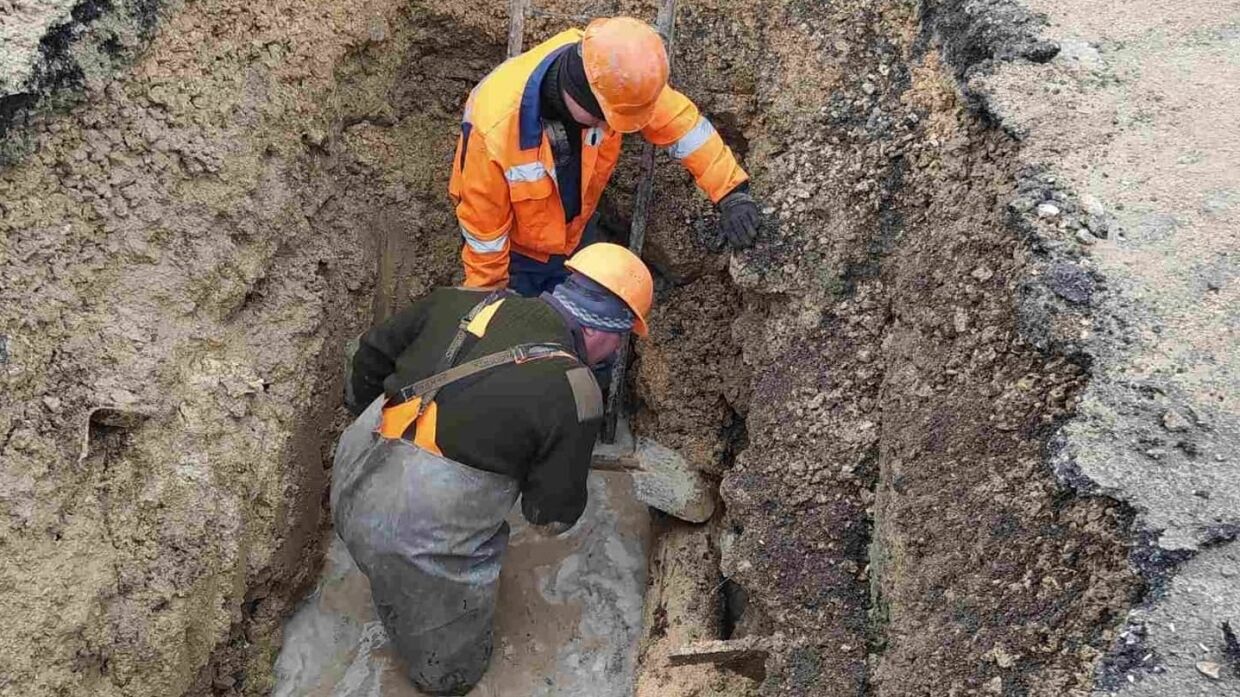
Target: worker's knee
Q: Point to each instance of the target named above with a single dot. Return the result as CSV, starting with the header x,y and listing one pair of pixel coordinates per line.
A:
x,y
444,686
456,674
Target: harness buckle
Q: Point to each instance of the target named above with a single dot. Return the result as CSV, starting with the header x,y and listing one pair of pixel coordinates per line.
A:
x,y
524,353
521,354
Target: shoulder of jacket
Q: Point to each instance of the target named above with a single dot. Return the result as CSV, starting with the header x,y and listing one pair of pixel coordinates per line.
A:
x,y
586,393
497,99
495,106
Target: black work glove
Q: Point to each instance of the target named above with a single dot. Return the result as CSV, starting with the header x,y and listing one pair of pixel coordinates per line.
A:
x,y
738,217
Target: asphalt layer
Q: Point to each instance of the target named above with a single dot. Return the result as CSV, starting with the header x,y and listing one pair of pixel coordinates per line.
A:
x,y
1132,196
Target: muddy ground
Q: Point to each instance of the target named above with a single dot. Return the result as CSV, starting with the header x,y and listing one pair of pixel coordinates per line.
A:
x,y
568,618
913,392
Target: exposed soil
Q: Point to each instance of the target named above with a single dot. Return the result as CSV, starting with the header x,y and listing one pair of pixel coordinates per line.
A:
x,y
893,513
880,386
194,244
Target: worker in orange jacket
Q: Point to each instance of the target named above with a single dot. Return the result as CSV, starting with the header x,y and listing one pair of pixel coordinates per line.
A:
x,y
540,139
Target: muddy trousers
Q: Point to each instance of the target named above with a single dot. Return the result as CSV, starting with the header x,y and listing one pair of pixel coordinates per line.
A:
x,y
429,533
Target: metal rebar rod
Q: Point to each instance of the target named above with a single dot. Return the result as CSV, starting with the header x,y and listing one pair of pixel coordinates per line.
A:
x,y
517,11
637,233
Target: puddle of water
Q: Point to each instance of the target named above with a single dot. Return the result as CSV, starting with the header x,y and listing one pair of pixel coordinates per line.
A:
x,y
568,621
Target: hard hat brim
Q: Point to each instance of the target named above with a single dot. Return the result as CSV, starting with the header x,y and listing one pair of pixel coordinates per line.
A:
x,y
626,120
639,326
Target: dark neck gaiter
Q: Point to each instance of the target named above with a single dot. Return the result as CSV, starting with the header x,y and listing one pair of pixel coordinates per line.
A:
x,y
551,96
554,108
573,80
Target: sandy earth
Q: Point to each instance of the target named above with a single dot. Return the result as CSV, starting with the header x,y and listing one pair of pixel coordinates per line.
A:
x,y
192,247
568,621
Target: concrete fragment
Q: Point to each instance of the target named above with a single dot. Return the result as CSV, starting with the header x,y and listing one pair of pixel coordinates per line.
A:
x,y
1210,669
721,652
982,273
1047,210
1092,205
1175,422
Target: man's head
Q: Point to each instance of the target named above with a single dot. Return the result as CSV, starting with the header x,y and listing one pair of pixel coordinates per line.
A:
x,y
600,345
581,114
575,89
609,293
616,73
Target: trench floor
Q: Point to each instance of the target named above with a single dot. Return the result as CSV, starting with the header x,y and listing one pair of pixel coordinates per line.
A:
x,y
568,621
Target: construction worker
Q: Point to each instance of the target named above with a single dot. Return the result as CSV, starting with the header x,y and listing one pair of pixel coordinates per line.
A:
x,y
467,399
541,136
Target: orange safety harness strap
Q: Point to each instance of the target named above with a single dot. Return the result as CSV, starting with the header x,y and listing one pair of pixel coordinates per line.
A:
x,y
416,401
412,401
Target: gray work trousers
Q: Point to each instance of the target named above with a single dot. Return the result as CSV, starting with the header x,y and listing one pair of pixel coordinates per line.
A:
x,y
429,533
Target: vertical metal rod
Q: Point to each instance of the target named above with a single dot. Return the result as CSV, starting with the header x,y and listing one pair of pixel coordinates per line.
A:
x,y
665,24
517,10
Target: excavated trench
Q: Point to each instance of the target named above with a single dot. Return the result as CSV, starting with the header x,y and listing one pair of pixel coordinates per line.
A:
x,y
874,386
887,504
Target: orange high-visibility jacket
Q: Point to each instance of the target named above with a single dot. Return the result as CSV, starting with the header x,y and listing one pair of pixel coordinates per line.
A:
x,y
503,175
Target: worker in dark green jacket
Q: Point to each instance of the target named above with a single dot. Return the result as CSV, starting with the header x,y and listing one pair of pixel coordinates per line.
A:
x,y
466,400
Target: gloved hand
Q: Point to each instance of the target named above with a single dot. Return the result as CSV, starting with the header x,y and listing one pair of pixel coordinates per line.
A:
x,y
738,217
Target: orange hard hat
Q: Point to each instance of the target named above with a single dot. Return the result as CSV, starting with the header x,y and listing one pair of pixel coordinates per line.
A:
x,y
626,66
621,272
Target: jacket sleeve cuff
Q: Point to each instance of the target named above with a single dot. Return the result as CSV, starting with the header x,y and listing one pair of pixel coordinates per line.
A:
x,y
742,188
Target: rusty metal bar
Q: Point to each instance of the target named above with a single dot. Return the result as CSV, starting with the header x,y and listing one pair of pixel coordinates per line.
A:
x,y
665,24
517,12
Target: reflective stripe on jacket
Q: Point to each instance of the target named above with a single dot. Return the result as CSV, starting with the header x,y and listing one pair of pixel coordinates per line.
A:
x,y
503,174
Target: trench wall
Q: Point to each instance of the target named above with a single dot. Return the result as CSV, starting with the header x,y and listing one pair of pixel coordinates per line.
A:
x,y
192,244
184,251
873,383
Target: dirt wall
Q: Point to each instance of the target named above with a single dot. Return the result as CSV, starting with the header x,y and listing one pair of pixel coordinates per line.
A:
x,y
182,257
890,509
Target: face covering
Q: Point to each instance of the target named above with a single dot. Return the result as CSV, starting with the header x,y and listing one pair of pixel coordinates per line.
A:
x,y
572,79
593,306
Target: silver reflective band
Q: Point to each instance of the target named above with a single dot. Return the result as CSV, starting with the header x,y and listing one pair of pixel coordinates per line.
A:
x,y
691,141
484,246
531,172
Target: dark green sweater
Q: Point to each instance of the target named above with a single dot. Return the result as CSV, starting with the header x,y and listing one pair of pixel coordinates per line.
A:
x,y
518,420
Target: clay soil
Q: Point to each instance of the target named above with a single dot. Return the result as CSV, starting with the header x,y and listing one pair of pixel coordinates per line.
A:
x,y
189,249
